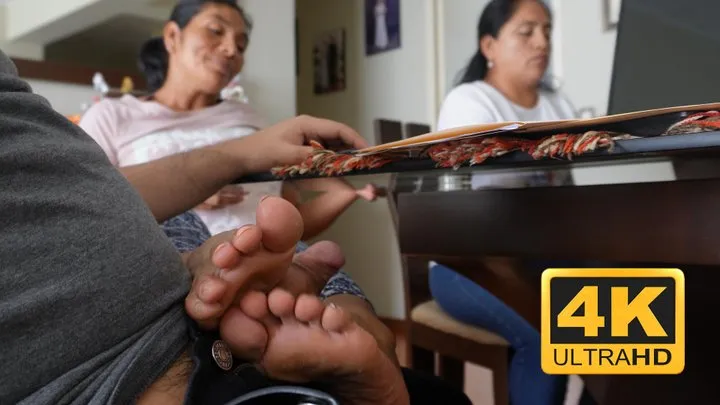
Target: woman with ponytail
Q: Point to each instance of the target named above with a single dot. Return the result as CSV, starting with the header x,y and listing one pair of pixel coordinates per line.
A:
x,y
504,82
202,48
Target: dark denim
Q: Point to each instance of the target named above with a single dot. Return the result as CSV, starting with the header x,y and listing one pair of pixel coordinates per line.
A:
x,y
468,302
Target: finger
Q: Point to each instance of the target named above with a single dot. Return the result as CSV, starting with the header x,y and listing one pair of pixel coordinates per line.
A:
x,y
328,130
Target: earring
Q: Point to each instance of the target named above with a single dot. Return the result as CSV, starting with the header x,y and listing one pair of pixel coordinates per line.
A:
x,y
490,64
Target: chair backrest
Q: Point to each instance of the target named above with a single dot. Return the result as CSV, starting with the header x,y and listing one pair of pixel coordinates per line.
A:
x,y
387,131
415,129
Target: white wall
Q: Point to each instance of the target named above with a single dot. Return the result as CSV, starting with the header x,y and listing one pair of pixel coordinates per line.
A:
x,y
269,73
17,49
586,52
65,98
399,84
458,36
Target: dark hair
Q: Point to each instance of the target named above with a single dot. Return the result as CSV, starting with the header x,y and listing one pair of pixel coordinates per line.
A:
x,y
153,60
495,15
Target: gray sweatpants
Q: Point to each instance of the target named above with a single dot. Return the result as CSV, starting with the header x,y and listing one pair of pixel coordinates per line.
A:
x,y
91,289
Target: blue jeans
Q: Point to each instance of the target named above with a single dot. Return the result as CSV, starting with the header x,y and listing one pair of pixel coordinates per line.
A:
x,y
468,302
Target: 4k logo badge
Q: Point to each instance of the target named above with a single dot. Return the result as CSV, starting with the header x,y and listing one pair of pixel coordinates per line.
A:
x,y
613,321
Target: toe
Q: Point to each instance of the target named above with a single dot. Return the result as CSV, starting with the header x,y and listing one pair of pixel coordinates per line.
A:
x,y
334,319
312,268
246,336
281,303
309,308
203,303
248,239
211,289
255,305
280,223
244,241
324,253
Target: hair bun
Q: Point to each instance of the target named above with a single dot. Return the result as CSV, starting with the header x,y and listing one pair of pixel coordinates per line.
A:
x,y
153,62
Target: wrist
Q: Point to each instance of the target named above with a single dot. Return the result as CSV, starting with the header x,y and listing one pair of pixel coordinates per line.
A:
x,y
230,160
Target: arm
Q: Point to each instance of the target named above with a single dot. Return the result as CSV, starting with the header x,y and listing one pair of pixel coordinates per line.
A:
x,y
320,212
177,183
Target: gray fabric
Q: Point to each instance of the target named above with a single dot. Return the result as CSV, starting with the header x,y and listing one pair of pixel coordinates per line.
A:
x,y
91,290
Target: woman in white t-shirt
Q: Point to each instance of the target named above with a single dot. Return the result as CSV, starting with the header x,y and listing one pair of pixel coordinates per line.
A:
x,y
504,79
201,50
504,82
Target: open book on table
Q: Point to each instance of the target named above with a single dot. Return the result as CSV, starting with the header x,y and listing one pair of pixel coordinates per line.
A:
x,y
519,128
612,136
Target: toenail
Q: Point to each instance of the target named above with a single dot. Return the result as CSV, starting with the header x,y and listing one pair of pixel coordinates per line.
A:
x,y
242,230
222,245
332,305
265,197
203,290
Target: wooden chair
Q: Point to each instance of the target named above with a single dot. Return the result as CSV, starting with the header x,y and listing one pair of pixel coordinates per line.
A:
x,y
436,342
415,129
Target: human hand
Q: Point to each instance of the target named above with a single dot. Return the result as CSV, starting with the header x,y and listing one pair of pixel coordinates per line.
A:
x,y
287,143
228,195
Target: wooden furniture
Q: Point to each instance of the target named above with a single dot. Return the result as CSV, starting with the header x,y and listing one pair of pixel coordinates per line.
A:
x,y
671,223
415,129
432,334
66,73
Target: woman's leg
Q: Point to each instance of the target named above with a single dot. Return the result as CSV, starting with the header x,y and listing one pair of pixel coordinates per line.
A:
x,y
470,303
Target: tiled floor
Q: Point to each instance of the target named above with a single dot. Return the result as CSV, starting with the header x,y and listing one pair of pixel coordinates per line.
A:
x,y
478,382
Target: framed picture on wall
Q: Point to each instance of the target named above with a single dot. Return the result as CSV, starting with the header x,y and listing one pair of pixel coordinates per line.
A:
x,y
382,26
329,62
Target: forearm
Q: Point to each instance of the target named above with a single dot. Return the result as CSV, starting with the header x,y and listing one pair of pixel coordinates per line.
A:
x,y
175,184
322,211
363,315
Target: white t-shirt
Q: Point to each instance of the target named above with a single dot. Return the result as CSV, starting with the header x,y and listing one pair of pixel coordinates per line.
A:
x,y
480,103
132,131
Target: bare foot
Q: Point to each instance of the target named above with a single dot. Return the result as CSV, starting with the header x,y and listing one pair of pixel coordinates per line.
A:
x,y
308,341
312,268
368,193
257,257
254,257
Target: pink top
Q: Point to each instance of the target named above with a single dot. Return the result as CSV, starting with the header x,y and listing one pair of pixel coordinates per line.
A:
x,y
132,131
